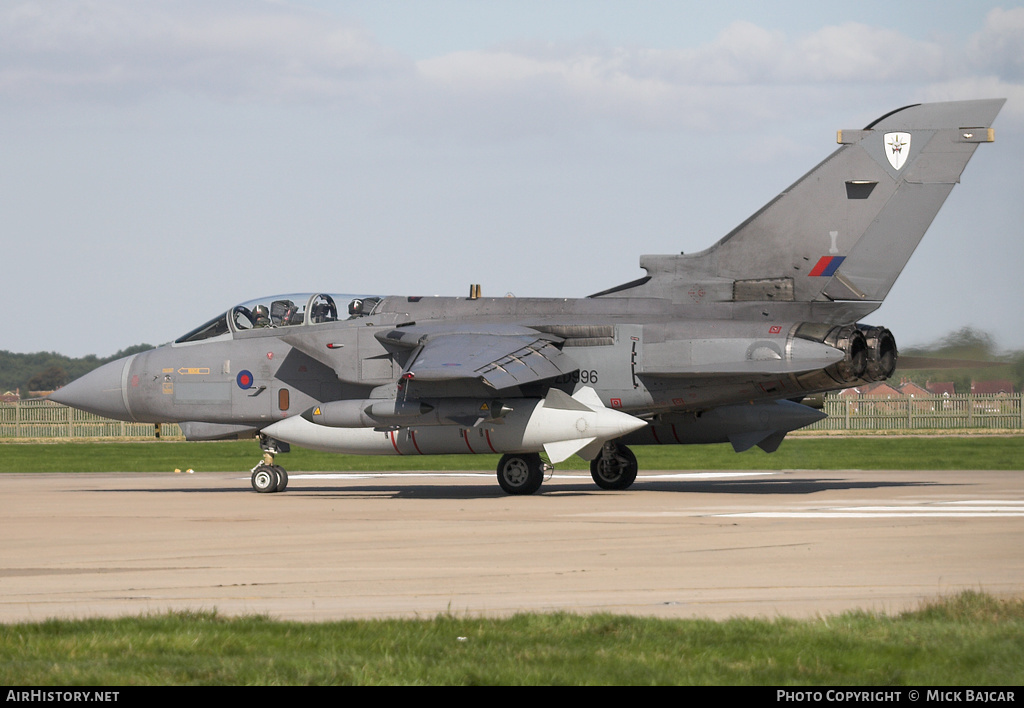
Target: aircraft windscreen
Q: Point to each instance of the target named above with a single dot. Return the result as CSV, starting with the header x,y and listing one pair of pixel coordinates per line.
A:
x,y
284,311
215,327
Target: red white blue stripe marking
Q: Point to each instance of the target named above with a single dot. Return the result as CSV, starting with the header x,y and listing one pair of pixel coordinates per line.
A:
x,y
827,266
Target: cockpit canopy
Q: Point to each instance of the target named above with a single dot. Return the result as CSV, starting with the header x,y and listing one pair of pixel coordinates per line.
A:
x,y
283,311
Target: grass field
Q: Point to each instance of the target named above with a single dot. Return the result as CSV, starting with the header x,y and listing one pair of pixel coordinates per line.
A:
x,y
971,639
931,453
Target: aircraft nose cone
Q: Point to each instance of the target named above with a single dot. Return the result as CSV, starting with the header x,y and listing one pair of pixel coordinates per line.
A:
x,y
102,391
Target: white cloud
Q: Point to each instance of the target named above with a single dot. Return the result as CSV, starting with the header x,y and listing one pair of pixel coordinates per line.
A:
x,y
229,50
742,54
999,47
694,87
855,52
273,52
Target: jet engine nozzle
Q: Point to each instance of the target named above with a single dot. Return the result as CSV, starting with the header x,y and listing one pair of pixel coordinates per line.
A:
x,y
852,342
882,353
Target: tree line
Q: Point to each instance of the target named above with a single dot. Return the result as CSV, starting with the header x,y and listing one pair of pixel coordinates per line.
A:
x,y
965,344
47,371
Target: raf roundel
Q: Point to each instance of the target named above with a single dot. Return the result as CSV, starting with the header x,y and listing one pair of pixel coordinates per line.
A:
x,y
244,379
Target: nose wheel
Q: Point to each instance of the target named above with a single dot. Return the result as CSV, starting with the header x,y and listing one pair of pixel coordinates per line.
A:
x,y
266,476
269,478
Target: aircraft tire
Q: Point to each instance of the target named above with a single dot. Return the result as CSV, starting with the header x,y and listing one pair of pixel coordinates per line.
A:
x,y
265,479
616,471
282,478
520,474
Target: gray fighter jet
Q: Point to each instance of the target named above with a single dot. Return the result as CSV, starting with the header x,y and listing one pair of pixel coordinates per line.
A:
x,y
716,346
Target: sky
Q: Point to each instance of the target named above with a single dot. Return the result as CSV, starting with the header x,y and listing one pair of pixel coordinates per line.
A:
x,y
162,161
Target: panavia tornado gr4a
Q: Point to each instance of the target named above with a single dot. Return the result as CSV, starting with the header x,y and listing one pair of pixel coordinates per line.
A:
x,y
716,346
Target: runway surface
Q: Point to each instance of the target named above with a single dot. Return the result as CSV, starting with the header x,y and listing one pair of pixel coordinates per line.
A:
x,y
798,543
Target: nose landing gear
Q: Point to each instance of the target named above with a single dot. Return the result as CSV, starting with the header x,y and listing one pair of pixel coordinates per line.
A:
x,y
266,476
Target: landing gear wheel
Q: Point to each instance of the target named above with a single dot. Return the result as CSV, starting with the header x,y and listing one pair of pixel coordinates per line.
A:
x,y
266,476
520,474
282,478
265,479
614,468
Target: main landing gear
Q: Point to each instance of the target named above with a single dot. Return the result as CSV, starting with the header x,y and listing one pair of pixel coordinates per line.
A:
x,y
266,476
614,468
521,474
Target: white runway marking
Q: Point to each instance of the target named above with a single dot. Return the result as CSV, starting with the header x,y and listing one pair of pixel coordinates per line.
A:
x,y
581,474
384,475
967,508
707,475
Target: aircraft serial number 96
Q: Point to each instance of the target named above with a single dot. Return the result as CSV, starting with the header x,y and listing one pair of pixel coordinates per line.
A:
x,y
579,376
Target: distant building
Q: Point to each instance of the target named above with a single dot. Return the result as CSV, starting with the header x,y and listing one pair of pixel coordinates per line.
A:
x,y
879,389
11,397
913,390
998,387
941,388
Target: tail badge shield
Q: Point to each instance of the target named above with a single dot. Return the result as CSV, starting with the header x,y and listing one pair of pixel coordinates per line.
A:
x,y
897,147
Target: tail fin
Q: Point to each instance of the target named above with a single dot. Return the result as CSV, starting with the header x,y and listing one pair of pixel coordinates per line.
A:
x,y
846,229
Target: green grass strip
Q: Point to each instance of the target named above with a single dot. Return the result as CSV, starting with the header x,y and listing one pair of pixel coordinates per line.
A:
x,y
866,453
970,639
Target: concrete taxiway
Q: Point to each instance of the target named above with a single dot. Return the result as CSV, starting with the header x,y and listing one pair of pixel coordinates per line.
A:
x,y
797,543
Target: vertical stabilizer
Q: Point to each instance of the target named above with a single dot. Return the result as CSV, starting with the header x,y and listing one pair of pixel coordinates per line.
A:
x,y
846,229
